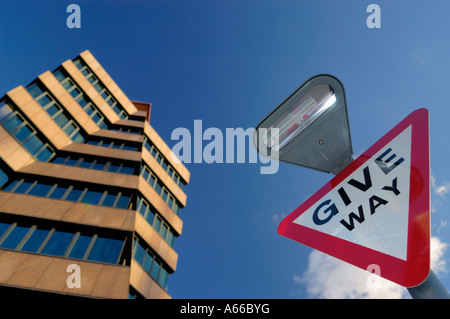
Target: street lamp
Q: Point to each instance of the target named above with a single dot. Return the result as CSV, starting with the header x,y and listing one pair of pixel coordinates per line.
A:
x,y
310,128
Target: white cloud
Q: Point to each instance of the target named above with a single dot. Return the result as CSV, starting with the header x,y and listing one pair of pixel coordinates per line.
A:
x,y
328,277
440,190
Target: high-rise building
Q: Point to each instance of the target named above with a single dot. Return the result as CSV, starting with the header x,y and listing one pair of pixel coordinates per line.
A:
x,y
90,195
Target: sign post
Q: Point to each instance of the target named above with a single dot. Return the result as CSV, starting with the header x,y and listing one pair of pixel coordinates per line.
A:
x,y
377,209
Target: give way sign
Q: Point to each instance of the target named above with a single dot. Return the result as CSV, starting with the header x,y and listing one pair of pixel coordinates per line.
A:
x,y
377,210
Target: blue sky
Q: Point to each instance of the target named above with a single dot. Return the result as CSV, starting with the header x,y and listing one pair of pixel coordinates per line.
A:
x,y
229,63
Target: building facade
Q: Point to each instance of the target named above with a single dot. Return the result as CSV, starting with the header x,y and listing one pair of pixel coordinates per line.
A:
x,y
90,195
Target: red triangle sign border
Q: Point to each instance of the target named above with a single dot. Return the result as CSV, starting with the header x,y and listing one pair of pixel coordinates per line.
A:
x,y
412,271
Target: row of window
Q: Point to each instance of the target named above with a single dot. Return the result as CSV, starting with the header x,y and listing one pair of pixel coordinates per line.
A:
x,y
68,192
151,264
102,165
81,98
163,162
160,189
131,130
63,119
57,242
114,144
18,127
151,215
101,89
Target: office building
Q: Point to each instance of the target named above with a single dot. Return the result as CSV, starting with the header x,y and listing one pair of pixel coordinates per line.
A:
x,y
90,196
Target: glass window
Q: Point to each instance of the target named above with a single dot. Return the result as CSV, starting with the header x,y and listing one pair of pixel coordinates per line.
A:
x,y
3,178
127,169
74,194
176,208
145,173
40,189
163,231
163,278
14,237
170,201
75,92
59,75
143,208
5,110
69,129
11,186
113,167
139,253
82,101
58,243
147,265
13,122
45,154
86,163
106,250
33,144
80,247
71,161
100,165
53,109
77,62
158,188
34,90
103,125
23,132
150,216
78,137
61,119
3,228
123,201
96,117
109,199
92,197
164,195
36,239
155,270
170,239
157,224
23,187
44,100
58,192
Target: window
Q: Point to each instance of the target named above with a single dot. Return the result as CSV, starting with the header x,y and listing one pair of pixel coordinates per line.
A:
x,y
81,245
106,250
160,189
3,177
163,162
40,190
36,239
29,237
92,197
18,127
85,195
114,144
101,89
58,243
56,112
152,217
151,264
14,237
82,99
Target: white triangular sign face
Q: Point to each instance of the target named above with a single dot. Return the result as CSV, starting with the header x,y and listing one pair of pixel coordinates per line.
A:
x,y
377,203
376,211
